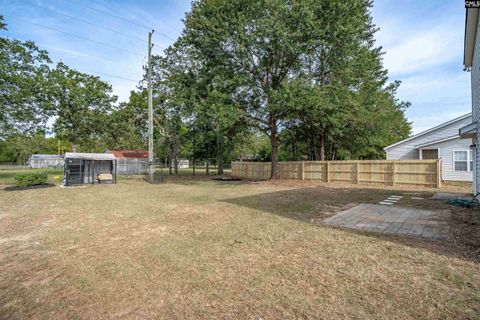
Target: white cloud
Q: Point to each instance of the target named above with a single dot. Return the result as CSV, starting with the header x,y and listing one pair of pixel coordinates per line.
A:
x,y
435,85
423,45
423,50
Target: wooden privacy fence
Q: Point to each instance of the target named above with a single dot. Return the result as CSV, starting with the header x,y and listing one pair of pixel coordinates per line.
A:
x,y
387,172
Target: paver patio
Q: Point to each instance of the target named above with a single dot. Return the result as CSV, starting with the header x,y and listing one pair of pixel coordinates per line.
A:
x,y
397,220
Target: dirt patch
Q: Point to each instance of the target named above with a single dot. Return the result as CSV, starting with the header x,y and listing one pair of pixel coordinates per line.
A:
x,y
465,227
446,187
323,211
39,186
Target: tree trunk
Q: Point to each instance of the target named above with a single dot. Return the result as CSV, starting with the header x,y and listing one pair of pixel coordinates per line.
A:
x,y
312,154
219,152
74,144
220,165
321,150
193,151
294,147
274,143
176,147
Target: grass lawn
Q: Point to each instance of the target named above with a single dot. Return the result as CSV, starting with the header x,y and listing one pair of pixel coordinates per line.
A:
x,y
207,249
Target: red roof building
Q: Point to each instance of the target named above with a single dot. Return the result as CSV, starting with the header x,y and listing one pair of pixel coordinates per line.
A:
x,y
122,153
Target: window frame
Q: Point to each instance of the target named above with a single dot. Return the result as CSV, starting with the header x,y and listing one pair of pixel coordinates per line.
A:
x,y
469,161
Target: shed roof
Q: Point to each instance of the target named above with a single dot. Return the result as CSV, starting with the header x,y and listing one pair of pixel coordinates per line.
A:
x,y
47,156
89,156
123,153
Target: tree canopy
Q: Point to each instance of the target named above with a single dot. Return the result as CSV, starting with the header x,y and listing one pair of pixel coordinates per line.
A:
x,y
305,73
247,79
23,72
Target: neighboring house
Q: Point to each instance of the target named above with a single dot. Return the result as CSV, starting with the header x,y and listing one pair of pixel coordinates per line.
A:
x,y
182,163
441,142
41,161
85,168
130,162
471,61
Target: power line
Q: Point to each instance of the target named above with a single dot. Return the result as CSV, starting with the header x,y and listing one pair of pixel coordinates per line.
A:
x,y
77,36
108,75
110,14
84,21
73,53
96,57
121,18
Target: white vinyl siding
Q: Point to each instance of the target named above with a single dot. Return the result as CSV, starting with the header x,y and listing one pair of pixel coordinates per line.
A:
x,y
475,74
445,153
408,150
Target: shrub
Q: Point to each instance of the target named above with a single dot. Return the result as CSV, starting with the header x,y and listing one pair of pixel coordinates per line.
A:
x,y
30,178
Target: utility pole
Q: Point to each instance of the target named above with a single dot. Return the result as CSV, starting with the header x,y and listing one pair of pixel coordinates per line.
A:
x,y
151,168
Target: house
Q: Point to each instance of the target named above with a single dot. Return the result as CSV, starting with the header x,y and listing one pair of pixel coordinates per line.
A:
x,y
441,142
183,163
471,62
130,161
41,161
89,168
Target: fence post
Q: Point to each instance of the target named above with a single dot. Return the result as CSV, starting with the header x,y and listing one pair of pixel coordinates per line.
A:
x,y
439,173
357,172
326,173
246,169
303,170
394,171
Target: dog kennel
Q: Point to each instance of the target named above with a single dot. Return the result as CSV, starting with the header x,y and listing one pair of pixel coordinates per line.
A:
x,y
89,168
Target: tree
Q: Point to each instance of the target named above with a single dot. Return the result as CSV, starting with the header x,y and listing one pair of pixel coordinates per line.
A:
x,y
305,65
81,104
19,147
127,127
197,107
23,73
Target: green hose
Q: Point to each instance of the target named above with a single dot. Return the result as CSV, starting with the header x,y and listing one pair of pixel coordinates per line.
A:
x,y
465,203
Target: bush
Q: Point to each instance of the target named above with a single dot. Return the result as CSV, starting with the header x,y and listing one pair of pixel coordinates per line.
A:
x,y
30,178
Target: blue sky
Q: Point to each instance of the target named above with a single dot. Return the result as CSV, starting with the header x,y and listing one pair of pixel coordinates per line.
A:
x,y
422,40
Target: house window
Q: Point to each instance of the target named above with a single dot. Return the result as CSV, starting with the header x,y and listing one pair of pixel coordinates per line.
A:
x,y
463,160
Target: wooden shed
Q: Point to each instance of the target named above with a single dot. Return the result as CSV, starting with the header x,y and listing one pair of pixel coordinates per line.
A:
x,y
89,168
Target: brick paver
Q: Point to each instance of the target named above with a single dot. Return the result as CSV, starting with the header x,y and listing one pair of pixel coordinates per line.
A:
x,y
428,224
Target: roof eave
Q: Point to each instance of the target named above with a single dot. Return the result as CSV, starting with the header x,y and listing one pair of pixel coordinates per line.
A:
x,y
468,132
438,141
471,22
428,131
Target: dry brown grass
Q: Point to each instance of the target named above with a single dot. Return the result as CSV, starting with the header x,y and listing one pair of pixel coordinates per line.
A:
x,y
204,249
